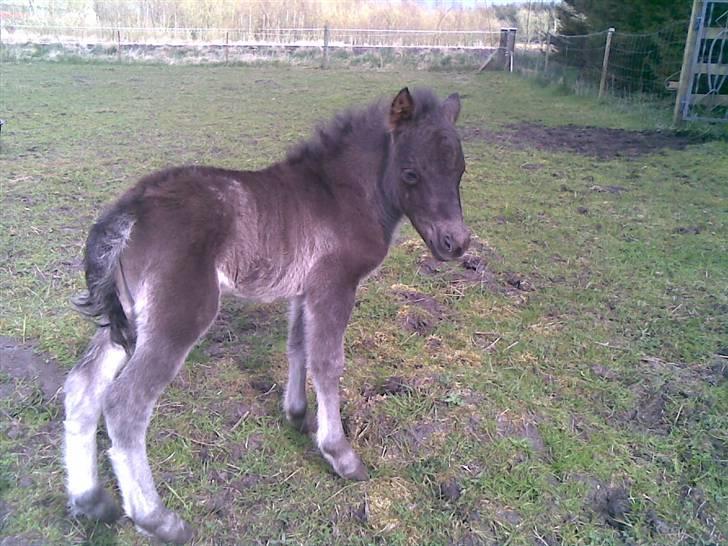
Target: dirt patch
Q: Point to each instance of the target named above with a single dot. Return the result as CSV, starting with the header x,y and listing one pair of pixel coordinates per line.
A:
x,y
611,504
236,412
449,490
520,427
393,385
20,361
419,438
366,424
600,142
518,282
423,301
657,525
236,323
608,189
420,313
604,372
252,443
696,503
472,270
670,394
688,230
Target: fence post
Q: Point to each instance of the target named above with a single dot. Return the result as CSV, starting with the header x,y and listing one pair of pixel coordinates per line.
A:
x,y
506,47
502,48
511,47
325,60
605,62
118,45
548,50
227,45
687,65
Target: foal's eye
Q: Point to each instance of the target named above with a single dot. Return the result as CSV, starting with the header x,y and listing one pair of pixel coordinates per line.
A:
x,y
409,176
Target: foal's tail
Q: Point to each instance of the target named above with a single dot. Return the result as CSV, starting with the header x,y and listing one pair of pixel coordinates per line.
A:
x,y
100,302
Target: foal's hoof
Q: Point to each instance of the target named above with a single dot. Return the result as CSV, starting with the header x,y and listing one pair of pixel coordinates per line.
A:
x,y
348,465
96,504
304,422
166,526
357,473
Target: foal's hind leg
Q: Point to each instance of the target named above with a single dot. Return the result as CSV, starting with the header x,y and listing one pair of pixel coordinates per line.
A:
x,y
165,337
84,390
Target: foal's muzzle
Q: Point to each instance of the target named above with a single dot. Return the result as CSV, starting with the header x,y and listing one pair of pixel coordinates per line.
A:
x,y
449,241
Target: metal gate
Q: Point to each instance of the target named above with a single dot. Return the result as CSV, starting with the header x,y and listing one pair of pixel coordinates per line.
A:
x,y
703,90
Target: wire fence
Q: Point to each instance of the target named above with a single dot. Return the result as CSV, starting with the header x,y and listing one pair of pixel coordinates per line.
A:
x,y
290,37
637,63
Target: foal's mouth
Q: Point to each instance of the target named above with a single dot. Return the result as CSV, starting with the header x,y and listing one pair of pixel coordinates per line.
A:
x,y
447,251
446,242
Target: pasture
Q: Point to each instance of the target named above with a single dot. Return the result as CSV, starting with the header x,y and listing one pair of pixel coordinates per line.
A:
x,y
563,383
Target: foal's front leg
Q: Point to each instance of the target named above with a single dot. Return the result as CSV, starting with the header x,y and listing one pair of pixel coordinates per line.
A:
x,y
326,314
295,402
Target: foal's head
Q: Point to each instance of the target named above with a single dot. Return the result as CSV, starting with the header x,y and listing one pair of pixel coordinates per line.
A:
x,y
426,166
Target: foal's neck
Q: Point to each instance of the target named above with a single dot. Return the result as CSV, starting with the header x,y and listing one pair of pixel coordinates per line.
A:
x,y
365,159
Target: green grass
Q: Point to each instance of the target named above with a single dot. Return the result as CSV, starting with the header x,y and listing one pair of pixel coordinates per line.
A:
x,y
562,407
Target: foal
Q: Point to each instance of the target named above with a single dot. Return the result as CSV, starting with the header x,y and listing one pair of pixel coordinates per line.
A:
x,y
307,229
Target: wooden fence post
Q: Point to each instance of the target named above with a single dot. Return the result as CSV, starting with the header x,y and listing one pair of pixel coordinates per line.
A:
x,y
687,65
605,62
325,59
506,48
548,50
511,48
118,45
227,45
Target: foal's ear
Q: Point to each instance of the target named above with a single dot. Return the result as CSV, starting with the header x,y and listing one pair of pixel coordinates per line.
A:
x,y
402,109
451,108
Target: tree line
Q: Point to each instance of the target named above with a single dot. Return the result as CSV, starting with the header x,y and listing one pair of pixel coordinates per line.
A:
x,y
531,18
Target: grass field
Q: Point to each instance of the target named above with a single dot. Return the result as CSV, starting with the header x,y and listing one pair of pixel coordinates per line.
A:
x,y
565,384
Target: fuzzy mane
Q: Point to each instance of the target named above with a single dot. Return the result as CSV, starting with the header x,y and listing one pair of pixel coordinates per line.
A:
x,y
369,122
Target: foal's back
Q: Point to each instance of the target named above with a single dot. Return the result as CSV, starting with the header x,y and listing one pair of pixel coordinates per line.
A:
x,y
258,232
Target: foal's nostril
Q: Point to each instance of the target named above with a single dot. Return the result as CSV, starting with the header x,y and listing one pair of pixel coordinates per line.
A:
x,y
447,242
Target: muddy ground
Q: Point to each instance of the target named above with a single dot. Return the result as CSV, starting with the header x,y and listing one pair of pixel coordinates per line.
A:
x,y
600,142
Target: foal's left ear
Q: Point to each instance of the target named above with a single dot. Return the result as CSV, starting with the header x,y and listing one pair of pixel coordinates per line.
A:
x,y
451,108
402,109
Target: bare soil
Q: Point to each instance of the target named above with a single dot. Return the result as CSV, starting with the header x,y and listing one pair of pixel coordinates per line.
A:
x,y
21,362
420,313
521,427
473,270
600,142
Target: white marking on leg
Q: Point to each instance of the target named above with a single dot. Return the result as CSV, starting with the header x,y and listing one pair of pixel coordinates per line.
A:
x,y
322,433
80,458
330,431
135,481
84,390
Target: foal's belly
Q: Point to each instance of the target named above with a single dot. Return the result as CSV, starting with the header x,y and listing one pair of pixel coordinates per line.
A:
x,y
265,280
